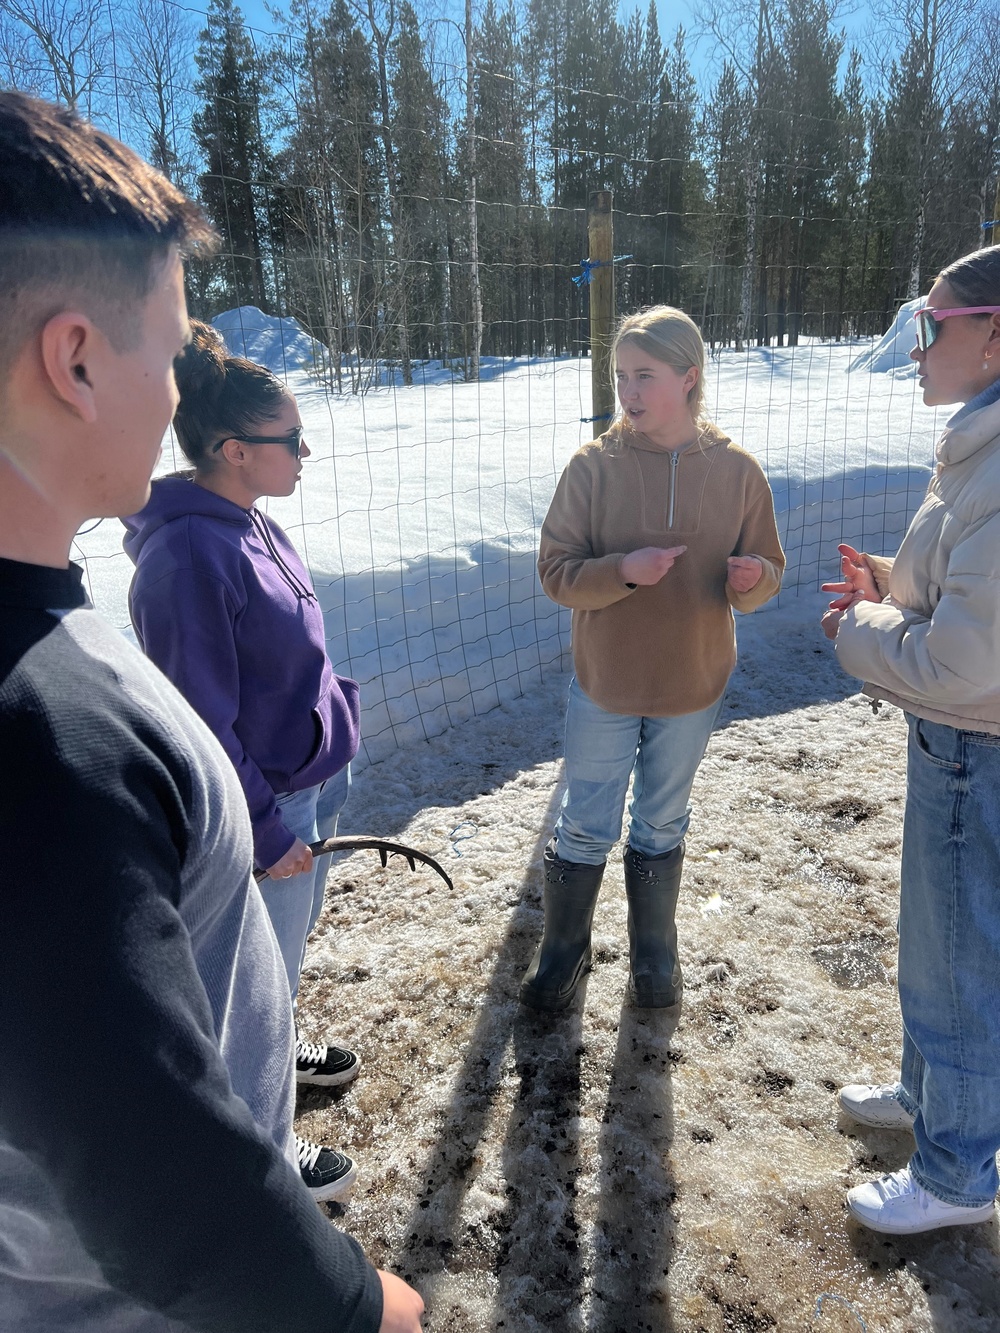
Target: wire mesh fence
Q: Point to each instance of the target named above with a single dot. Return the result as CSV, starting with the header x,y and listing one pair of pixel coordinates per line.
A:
x,y
402,202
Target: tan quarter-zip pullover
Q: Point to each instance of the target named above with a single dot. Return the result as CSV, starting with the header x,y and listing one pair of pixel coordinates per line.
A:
x,y
668,649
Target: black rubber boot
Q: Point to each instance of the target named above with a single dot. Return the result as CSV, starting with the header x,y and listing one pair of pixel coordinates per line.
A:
x,y
652,885
570,896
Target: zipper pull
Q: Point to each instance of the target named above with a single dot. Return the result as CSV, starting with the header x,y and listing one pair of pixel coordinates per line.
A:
x,y
674,460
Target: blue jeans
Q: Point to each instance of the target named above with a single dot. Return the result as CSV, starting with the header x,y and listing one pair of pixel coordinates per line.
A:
x,y
294,904
602,750
949,960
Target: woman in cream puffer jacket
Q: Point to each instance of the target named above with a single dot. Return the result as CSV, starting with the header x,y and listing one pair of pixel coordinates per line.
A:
x,y
932,647
923,632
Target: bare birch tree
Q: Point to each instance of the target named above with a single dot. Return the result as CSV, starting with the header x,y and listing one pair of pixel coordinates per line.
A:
x,y
19,67
160,43
67,48
472,372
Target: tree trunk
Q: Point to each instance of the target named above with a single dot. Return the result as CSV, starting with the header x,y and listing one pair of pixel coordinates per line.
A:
x,y
476,339
745,317
398,239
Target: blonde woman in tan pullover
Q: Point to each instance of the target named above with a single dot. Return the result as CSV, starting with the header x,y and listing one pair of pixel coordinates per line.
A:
x,y
656,532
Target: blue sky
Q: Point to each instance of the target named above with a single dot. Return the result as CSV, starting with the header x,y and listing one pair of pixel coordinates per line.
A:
x,y
701,51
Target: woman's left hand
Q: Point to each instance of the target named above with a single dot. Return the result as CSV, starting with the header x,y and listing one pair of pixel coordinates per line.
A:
x,y
744,572
830,622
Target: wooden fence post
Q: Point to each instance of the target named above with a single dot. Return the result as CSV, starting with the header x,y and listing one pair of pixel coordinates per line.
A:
x,y
602,305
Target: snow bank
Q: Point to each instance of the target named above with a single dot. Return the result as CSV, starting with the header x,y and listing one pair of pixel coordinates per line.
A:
x,y
892,352
280,344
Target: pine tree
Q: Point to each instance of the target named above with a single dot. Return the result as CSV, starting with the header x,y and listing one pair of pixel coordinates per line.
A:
x,y
726,136
923,84
228,130
809,116
333,190
420,134
975,184
308,192
641,201
748,31
671,189
847,245
502,173
689,185
555,242
594,74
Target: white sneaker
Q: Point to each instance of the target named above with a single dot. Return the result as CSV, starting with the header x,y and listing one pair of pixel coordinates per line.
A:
x,y
875,1105
897,1205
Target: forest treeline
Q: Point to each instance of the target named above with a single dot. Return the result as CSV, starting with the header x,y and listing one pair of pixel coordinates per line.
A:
x,y
413,188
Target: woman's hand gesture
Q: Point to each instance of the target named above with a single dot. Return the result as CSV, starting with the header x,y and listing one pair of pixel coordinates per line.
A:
x,y
858,585
649,564
743,572
858,582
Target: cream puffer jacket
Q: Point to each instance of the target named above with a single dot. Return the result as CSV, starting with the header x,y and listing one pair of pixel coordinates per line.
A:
x,y
932,646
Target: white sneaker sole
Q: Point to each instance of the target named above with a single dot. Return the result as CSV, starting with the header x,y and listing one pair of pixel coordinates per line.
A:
x,y
968,1217
329,1080
878,1114
337,1189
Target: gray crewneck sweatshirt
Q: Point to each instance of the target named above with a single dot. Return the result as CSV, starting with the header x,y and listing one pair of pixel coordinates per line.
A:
x,y
146,1041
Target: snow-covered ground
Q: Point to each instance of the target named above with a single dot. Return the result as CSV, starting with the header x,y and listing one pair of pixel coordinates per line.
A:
x,y
419,509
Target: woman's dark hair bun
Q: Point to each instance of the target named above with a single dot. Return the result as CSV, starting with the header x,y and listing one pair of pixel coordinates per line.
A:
x,y
201,367
221,396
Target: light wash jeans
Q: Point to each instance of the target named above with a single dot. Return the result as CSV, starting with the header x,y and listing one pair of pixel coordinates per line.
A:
x,y
294,904
602,749
949,960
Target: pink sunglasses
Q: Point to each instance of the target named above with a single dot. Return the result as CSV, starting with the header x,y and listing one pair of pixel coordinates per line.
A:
x,y
927,320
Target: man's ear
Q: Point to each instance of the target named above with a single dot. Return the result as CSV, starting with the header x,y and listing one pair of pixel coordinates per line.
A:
x,y
69,345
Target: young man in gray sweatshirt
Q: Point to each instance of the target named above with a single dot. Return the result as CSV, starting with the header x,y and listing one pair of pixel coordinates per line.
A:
x,y
146,1039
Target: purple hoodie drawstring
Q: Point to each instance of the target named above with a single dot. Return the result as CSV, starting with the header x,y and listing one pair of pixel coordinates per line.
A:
x,y
296,585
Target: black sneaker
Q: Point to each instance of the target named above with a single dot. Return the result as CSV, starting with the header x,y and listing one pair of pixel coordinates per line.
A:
x,y
328,1174
327,1065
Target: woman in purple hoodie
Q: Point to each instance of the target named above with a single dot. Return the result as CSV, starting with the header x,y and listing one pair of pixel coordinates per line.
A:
x,y
223,605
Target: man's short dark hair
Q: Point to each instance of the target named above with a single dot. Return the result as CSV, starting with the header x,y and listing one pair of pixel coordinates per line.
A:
x,y
83,220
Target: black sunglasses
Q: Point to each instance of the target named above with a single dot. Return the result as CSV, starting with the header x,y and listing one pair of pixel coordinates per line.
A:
x,y
292,441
